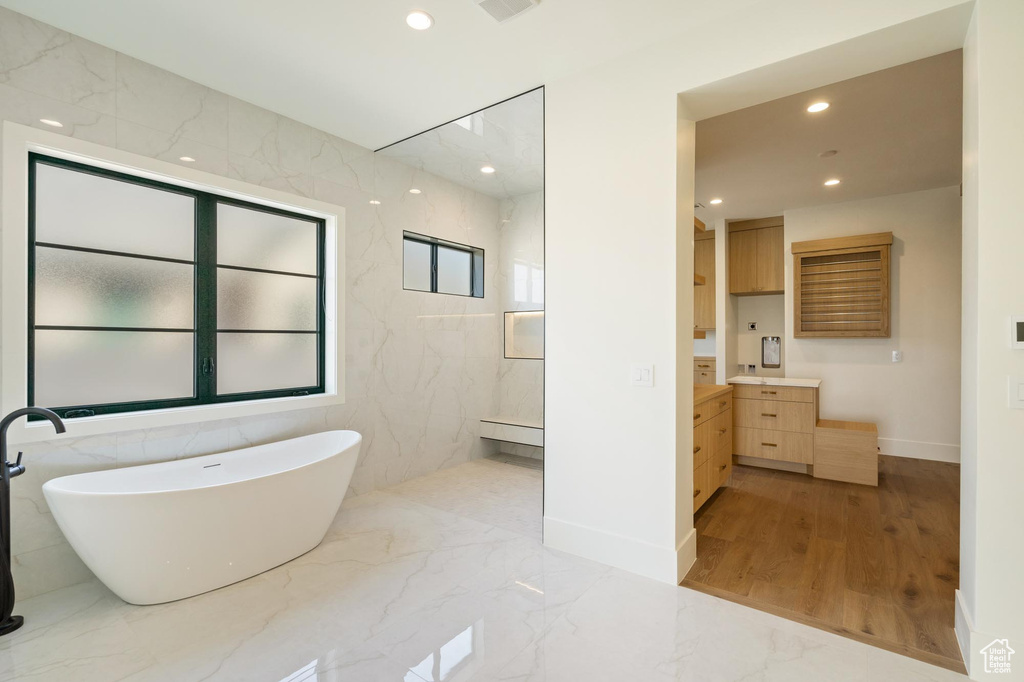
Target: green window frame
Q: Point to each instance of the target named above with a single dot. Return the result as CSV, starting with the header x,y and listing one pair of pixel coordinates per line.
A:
x,y
205,325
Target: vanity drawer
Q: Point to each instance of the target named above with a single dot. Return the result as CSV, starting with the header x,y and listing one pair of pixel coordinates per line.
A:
x,y
702,443
701,485
775,415
720,432
790,394
702,412
720,404
704,376
721,468
784,446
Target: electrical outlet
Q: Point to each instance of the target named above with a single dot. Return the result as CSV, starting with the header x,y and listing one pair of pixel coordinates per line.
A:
x,y
752,326
897,356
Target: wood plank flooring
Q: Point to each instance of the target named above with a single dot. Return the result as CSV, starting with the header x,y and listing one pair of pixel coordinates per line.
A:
x,y
876,564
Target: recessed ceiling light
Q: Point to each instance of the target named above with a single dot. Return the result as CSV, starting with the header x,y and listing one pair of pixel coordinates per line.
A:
x,y
487,169
832,183
419,20
414,191
186,159
51,122
374,202
715,201
817,106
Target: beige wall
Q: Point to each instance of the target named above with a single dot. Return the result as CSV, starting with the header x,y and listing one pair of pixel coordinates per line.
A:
x,y
916,403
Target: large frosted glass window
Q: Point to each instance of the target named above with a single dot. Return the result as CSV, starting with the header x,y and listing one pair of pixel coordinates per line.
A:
x,y
144,295
442,267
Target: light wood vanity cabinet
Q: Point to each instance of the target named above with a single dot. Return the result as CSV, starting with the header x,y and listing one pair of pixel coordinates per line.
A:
x,y
756,256
775,422
712,441
704,370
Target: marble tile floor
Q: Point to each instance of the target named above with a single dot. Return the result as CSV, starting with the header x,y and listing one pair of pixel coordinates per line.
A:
x,y
421,583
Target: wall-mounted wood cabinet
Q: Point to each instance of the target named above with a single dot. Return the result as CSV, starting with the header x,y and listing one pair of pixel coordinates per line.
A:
x,y
704,296
756,257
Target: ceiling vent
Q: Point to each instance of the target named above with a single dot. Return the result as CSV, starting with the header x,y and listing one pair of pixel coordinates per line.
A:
x,y
503,10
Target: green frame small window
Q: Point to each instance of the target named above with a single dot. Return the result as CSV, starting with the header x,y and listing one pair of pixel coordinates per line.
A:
x,y
109,319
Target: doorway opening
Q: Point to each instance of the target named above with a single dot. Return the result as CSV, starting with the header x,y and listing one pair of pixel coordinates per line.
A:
x,y
827,324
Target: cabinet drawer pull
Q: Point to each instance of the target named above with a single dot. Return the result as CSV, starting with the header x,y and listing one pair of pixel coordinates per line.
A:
x,y
696,450
721,432
723,403
704,366
768,414
723,467
696,493
770,445
697,416
769,392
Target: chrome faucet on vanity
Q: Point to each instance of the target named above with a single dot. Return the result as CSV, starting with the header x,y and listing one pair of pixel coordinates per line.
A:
x,y
9,623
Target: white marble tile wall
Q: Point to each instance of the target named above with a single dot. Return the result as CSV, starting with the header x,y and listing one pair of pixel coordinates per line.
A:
x,y
521,382
422,368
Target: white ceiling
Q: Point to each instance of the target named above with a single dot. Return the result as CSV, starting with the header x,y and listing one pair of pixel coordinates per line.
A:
x,y
896,131
353,67
509,137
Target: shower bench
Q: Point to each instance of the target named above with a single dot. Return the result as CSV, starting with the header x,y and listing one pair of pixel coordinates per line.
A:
x,y
513,430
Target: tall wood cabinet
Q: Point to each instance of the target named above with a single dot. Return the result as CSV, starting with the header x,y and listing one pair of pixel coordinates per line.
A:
x,y
704,296
756,257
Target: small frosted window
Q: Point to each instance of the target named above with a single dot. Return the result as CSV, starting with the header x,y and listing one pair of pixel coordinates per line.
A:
x,y
267,241
82,209
454,271
442,267
417,266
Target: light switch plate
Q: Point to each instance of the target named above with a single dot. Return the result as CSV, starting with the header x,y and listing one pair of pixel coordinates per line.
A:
x,y
641,375
1016,392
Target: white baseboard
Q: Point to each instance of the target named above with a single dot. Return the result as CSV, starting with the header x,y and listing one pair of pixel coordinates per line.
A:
x,y
686,555
964,629
635,556
914,449
972,641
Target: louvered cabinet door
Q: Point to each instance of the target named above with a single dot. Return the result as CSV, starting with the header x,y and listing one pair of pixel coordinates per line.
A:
x,y
841,287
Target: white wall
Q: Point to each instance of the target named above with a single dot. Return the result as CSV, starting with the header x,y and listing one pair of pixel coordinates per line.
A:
x,y
618,159
915,403
991,598
769,312
421,368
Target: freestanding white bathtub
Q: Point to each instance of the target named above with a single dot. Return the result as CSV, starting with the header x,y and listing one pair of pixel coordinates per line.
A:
x,y
160,532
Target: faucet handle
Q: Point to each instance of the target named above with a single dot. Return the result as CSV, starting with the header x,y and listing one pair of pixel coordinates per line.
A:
x,y
16,469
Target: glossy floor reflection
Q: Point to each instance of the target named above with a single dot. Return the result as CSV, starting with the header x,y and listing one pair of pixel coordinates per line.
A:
x,y
439,579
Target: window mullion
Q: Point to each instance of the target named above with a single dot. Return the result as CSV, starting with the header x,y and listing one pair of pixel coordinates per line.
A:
x,y
206,298
433,268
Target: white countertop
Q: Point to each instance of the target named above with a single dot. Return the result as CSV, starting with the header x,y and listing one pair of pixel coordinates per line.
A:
x,y
775,381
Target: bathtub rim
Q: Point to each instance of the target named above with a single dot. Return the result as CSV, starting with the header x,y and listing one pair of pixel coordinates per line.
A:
x,y
53,485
